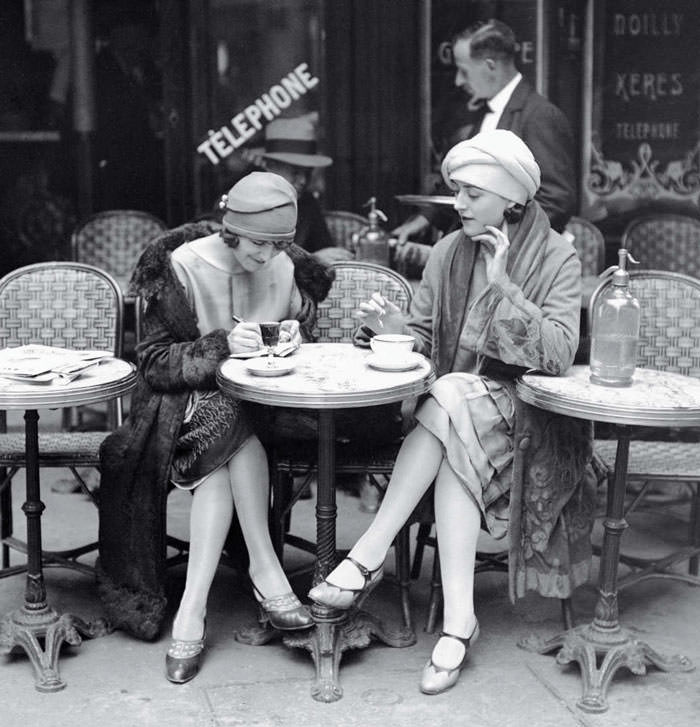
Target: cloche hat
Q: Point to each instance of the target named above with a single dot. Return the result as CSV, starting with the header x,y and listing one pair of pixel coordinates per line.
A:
x,y
262,206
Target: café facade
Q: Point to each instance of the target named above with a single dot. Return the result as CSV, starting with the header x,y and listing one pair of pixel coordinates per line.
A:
x,y
207,75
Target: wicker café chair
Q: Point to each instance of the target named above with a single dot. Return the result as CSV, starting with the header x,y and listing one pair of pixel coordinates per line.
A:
x,y
354,282
69,305
113,240
589,243
663,473
590,246
342,225
665,242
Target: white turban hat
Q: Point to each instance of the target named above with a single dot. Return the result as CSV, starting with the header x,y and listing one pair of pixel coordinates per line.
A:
x,y
497,161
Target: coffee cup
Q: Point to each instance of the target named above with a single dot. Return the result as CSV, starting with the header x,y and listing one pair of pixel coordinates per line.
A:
x,y
392,346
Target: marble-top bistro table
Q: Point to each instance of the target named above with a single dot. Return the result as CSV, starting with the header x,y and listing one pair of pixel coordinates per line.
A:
x,y
328,377
36,619
655,399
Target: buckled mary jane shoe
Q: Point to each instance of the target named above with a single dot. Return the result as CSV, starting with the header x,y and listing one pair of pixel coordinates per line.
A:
x,y
437,679
182,659
332,596
284,613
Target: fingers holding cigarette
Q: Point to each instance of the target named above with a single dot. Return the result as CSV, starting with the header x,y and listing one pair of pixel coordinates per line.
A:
x,y
381,314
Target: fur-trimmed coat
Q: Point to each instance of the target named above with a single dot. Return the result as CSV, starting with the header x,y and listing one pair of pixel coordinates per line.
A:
x,y
136,458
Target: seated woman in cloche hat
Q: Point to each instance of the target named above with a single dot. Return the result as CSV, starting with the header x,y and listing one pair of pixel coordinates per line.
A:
x,y
204,299
498,296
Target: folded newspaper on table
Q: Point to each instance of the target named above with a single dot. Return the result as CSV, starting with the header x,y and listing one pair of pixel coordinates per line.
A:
x,y
43,364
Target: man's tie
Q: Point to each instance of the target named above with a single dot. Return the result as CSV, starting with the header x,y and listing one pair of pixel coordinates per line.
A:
x,y
478,116
474,115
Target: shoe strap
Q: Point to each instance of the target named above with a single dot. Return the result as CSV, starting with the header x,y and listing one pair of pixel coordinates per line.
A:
x,y
465,640
364,572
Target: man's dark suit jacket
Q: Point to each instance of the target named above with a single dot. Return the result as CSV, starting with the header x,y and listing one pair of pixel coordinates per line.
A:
x,y
545,129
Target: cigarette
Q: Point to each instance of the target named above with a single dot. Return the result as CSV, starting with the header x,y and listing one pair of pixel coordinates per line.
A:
x,y
379,319
237,319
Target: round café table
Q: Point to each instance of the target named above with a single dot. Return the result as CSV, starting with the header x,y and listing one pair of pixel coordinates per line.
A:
x,y
36,619
328,377
655,399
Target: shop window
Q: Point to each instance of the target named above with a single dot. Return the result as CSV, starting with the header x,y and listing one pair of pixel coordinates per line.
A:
x,y
264,62
643,145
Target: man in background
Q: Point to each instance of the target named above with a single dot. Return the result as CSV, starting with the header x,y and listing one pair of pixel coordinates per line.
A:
x,y
291,151
484,57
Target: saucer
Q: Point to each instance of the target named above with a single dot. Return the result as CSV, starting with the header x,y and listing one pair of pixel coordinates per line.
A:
x,y
264,367
405,363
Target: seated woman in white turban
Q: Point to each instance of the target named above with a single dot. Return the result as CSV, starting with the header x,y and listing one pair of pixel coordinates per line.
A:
x,y
498,296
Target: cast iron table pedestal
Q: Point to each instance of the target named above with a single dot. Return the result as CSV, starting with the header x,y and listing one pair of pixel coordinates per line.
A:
x,y
36,620
656,399
329,377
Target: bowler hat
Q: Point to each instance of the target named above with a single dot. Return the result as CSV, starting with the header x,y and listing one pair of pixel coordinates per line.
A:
x,y
294,141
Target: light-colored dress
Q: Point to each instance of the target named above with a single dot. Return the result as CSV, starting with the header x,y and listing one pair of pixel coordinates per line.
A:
x,y
216,287
474,422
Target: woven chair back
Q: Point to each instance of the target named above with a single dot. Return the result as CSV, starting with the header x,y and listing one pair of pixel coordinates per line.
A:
x,y
669,337
354,283
114,240
64,304
342,226
590,245
665,242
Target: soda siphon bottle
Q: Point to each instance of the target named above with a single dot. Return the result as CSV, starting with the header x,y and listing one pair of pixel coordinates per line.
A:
x,y
615,328
372,243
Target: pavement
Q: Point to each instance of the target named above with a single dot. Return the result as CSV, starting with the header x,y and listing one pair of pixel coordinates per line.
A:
x,y
117,681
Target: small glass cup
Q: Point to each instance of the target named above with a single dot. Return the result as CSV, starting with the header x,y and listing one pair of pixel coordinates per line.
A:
x,y
270,332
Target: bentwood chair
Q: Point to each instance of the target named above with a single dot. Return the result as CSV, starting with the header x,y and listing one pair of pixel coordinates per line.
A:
x,y
354,282
590,246
342,225
113,240
664,467
665,242
589,243
68,305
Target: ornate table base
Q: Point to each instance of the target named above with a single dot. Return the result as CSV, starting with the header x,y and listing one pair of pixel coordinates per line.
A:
x,y
26,626
617,647
334,633
604,637
36,620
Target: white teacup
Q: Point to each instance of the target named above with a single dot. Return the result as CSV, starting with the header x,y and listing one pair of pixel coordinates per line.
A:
x,y
392,346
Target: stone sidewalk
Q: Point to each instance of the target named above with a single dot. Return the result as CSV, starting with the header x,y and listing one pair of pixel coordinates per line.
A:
x,y
116,681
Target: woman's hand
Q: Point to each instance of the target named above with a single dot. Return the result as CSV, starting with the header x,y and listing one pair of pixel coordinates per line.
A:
x,y
381,315
290,333
495,252
245,337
